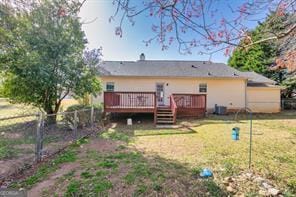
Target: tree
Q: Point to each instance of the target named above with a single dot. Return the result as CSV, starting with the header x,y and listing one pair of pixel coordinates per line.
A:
x,y
290,84
261,56
201,24
41,54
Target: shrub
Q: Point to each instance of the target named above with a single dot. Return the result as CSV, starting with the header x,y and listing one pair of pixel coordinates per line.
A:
x,y
83,115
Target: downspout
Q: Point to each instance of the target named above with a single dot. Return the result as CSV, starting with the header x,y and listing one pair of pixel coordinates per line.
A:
x,y
246,100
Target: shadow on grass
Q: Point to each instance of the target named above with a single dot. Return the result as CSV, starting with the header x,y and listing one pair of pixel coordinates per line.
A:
x,y
148,174
132,173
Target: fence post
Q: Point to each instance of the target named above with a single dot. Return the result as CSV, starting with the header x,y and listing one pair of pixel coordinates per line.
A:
x,y
39,140
75,125
92,117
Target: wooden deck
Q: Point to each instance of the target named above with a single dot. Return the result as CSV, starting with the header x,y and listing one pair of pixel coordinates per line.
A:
x,y
130,102
181,105
191,105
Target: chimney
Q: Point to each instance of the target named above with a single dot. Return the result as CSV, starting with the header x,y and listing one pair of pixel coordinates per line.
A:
x,y
142,57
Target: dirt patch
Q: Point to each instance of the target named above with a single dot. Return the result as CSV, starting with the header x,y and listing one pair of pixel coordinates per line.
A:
x,y
52,182
10,167
11,135
101,145
46,184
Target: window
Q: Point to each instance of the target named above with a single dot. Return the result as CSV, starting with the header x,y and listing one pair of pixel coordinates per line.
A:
x,y
110,86
203,87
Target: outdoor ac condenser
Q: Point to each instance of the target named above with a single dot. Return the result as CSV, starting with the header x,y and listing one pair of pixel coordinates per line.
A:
x,y
220,110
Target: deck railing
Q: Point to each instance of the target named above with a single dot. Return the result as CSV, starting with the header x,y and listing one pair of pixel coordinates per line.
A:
x,y
139,101
190,105
173,107
190,100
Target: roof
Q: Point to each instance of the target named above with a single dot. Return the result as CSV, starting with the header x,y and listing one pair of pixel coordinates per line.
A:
x,y
165,68
176,68
263,85
257,78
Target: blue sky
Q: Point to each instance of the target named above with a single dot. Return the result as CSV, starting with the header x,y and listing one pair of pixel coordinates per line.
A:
x,y
100,33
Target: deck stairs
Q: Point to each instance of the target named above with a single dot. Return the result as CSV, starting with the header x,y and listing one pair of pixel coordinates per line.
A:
x,y
164,116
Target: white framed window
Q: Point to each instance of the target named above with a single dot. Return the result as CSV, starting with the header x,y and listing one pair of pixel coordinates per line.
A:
x,y
110,86
203,87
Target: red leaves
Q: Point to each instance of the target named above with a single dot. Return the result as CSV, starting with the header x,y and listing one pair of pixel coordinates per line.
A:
x,y
212,36
220,34
288,61
61,12
227,51
281,9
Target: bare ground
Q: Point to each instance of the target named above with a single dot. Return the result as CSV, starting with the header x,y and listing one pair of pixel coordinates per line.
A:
x,y
52,182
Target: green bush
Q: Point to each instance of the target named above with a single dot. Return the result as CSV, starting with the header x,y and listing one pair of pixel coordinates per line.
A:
x,y
83,115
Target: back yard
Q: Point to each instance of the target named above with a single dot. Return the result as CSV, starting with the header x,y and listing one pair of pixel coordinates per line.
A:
x,y
140,160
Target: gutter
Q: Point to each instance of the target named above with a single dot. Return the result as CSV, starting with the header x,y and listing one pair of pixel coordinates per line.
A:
x,y
246,84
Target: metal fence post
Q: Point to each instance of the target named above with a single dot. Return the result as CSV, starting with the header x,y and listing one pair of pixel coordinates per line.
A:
x,y
39,134
75,124
92,117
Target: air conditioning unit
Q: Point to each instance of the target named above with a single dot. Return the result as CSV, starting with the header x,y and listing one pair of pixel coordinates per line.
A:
x,y
220,110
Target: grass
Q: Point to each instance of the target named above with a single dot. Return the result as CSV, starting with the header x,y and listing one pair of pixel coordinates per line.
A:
x,y
142,160
140,176
7,109
17,135
208,143
69,155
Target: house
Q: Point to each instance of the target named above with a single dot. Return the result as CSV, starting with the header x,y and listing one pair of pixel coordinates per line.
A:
x,y
171,89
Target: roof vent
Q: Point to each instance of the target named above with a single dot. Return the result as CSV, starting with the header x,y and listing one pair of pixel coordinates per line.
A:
x,y
209,74
193,66
142,57
235,74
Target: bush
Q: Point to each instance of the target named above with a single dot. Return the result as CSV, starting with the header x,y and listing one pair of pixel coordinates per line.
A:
x,y
83,115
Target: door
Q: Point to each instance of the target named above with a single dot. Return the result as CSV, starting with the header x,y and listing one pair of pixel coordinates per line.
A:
x,y
160,94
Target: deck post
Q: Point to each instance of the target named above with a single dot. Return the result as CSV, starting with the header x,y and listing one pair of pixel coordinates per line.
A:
x,y
155,108
75,125
92,118
39,137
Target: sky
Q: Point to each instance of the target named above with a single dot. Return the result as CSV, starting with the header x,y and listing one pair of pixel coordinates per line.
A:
x,y
101,33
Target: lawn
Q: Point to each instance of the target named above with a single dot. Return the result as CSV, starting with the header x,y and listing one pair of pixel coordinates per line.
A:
x,y
17,135
208,143
141,160
7,109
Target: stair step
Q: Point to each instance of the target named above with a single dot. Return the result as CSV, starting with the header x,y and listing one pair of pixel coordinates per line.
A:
x,y
165,121
168,114
167,126
164,118
163,109
164,112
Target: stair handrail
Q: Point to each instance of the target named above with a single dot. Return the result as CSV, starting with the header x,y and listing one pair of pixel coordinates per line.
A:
x,y
173,107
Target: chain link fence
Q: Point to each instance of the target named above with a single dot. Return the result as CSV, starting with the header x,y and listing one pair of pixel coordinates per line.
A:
x,y
27,139
288,104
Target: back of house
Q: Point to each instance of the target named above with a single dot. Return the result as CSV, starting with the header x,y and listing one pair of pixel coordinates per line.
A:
x,y
194,84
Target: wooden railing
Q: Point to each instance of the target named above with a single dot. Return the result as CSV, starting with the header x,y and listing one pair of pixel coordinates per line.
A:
x,y
190,100
190,105
129,101
173,107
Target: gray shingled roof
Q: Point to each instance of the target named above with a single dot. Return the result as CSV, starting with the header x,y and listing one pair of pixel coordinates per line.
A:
x,y
166,68
158,68
256,78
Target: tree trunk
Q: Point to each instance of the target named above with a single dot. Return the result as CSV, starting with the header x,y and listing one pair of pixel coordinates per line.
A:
x,y
51,117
